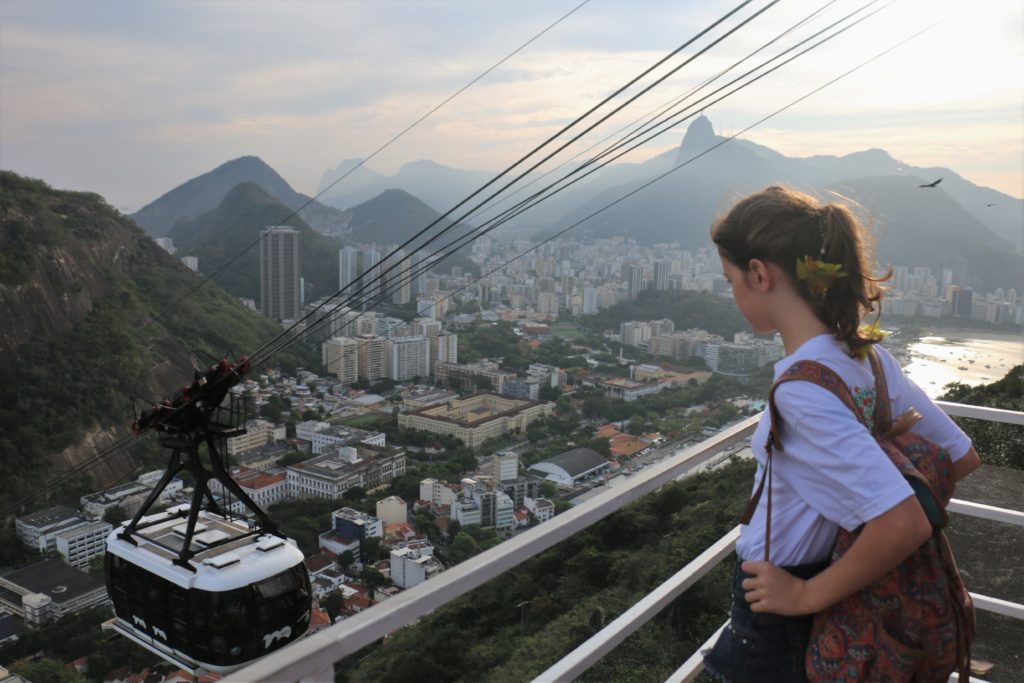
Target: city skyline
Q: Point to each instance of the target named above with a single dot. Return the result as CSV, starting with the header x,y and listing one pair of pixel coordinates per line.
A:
x,y
163,91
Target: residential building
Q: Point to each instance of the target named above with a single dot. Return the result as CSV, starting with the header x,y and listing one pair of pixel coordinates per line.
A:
x,y
340,357
444,348
280,273
542,508
437,493
413,564
476,418
408,357
373,358
63,530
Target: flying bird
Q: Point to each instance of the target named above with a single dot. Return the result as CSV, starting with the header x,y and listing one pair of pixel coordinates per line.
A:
x,y
990,204
932,184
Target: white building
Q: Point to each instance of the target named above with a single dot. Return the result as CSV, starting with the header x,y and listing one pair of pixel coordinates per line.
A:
x,y
322,435
413,564
78,545
408,357
437,493
542,508
392,510
263,488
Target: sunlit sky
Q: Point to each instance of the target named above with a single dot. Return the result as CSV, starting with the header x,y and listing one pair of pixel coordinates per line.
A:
x,y
129,99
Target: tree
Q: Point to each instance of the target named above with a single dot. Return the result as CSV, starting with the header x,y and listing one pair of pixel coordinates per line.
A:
x,y
333,604
115,515
549,393
373,580
463,547
548,489
372,549
345,559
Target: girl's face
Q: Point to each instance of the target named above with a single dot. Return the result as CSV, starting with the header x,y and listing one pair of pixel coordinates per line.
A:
x,y
750,301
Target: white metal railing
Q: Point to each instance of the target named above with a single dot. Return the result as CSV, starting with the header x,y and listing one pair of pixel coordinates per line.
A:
x,y
312,659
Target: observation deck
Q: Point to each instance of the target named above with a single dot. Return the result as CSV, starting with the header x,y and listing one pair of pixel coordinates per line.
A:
x,y
313,659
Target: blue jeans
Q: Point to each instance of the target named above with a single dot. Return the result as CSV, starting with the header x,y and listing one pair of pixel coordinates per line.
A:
x,y
761,648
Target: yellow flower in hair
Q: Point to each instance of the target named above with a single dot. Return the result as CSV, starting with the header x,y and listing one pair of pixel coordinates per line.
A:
x,y
819,275
874,332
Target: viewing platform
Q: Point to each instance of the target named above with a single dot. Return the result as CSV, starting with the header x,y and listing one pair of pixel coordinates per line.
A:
x,y
313,659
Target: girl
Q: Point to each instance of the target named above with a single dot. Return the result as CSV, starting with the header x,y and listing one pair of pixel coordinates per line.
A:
x,y
802,268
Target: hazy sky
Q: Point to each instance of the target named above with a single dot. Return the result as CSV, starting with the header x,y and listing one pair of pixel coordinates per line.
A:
x,y
130,99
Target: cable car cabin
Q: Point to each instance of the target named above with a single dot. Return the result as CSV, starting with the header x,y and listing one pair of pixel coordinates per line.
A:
x,y
245,598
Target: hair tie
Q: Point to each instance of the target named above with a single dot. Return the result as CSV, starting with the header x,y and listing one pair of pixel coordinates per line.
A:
x,y
821,226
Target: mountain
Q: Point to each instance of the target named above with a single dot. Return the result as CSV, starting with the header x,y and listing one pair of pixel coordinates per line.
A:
x,y
440,187
937,227
205,192
95,313
393,217
231,232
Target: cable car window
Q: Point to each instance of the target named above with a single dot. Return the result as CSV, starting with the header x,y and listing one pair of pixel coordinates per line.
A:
x,y
276,585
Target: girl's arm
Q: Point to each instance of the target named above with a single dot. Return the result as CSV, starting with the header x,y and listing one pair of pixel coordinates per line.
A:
x,y
967,464
884,542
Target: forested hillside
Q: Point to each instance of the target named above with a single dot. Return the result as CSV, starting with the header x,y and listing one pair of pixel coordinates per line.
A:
x,y
102,317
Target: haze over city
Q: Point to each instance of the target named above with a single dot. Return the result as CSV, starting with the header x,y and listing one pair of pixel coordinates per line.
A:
x,y
131,99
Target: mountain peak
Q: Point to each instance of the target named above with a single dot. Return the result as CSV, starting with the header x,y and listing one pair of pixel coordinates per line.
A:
x,y
699,134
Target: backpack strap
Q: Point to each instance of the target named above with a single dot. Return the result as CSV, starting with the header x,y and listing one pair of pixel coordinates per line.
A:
x,y
807,371
883,407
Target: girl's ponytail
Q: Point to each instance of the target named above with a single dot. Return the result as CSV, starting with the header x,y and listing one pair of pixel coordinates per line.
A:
x,y
849,298
822,249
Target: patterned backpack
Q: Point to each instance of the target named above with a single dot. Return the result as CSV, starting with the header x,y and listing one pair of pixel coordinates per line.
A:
x,y
916,622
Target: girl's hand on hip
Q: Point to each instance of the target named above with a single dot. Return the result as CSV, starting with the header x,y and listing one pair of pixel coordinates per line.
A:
x,y
774,590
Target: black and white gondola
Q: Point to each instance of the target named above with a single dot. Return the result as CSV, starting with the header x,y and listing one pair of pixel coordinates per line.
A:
x,y
245,595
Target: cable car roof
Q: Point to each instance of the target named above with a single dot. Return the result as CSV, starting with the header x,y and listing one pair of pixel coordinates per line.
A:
x,y
248,560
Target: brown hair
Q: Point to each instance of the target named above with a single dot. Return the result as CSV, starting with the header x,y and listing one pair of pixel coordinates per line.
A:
x,y
784,226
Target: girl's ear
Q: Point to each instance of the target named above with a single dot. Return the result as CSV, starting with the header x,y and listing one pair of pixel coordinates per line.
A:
x,y
759,276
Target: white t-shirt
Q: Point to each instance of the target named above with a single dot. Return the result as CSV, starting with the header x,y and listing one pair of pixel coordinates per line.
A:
x,y
830,472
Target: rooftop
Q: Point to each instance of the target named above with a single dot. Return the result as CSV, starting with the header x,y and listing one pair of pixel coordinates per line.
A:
x,y
54,578
577,461
50,516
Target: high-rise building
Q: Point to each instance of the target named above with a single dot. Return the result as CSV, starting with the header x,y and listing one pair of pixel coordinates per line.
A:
x,y
371,279
444,348
373,359
341,358
589,300
280,273
408,357
661,270
635,274
348,269
963,301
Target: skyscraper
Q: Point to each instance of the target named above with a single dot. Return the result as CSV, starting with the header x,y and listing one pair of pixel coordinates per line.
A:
x,y
661,270
280,273
348,268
